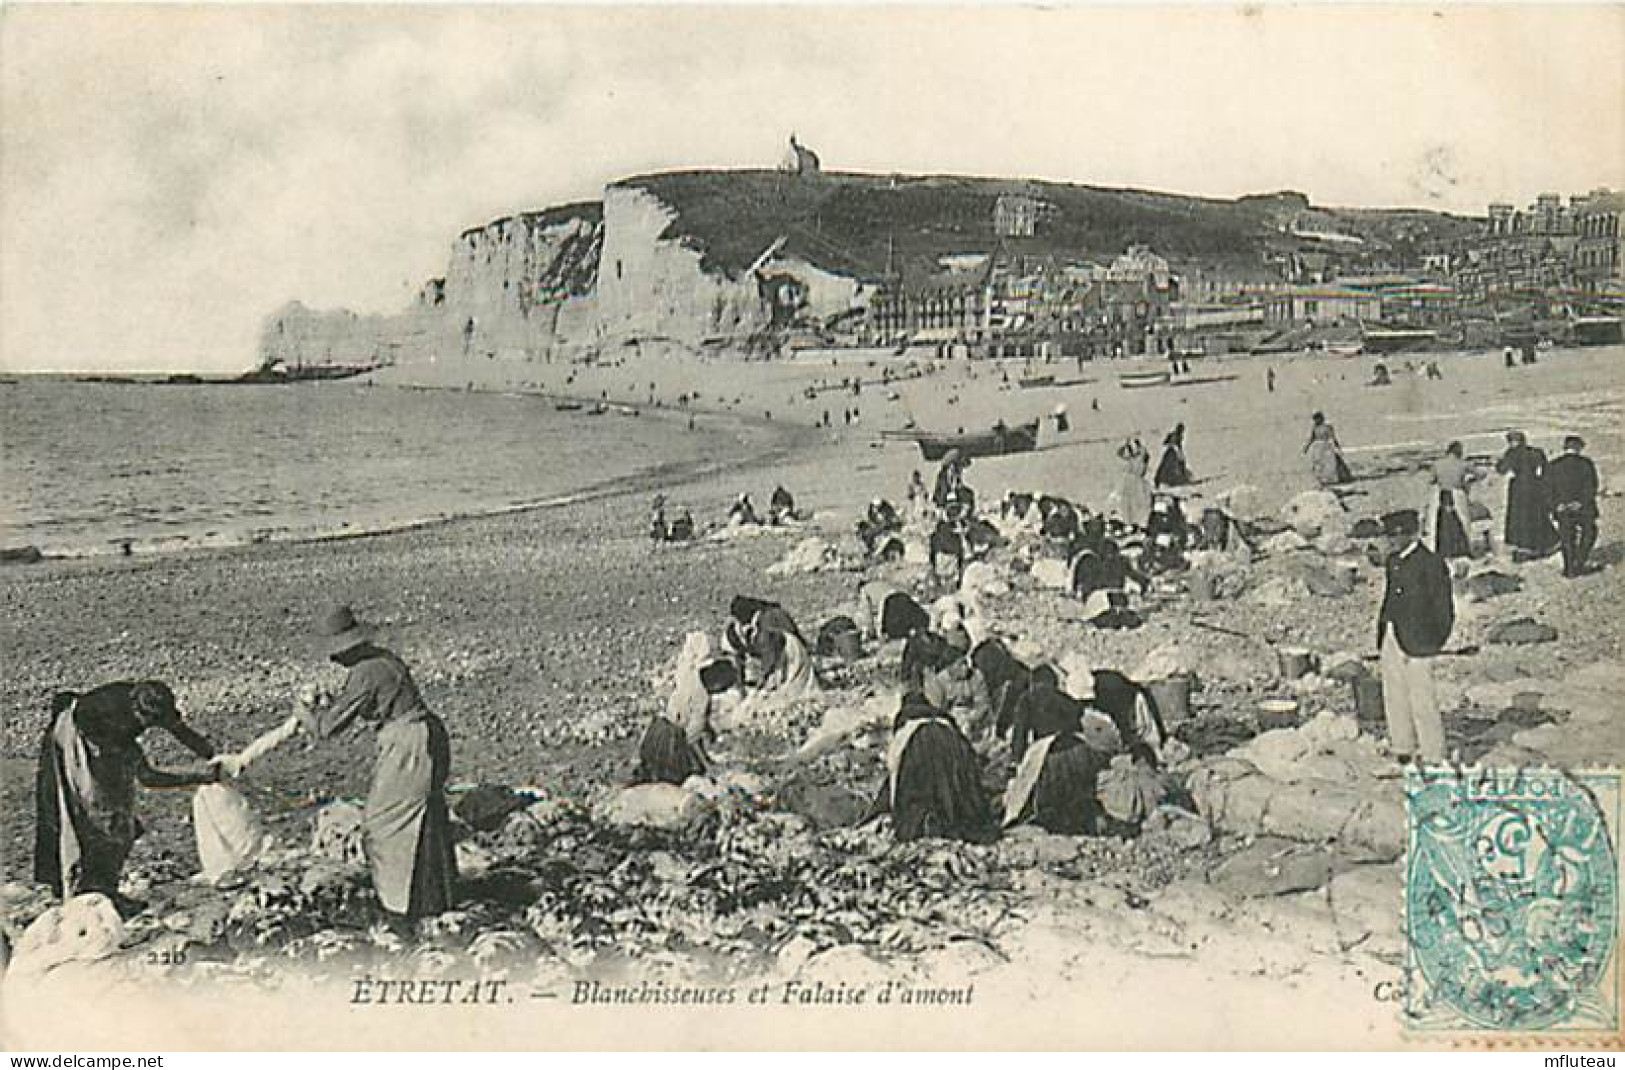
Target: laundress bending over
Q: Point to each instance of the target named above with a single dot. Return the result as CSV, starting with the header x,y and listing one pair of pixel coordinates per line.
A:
x,y
933,781
673,746
1057,776
90,762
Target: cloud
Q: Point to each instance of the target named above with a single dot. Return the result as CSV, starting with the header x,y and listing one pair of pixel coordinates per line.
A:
x,y
170,175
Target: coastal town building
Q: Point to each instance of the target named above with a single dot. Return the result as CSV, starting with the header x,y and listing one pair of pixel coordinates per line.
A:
x,y
1007,304
1016,216
1599,255
1322,305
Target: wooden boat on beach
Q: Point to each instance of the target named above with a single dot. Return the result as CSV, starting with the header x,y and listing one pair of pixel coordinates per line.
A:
x,y
568,406
1034,382
994,442
1396,339
1141,379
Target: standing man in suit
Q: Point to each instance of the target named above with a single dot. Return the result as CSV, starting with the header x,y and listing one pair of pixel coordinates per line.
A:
x,y
1571,487
1412,627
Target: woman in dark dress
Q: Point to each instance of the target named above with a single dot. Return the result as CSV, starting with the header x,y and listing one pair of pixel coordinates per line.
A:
x,y
1529,530
933,785
1057,772
89,764
406,829
1172,470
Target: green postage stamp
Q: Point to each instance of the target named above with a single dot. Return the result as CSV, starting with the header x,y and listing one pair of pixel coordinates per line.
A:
x,y
1512,901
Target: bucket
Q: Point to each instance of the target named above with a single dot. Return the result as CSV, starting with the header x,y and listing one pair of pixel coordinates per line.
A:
x,y
1367,697
1277,713
1173,698
1294,662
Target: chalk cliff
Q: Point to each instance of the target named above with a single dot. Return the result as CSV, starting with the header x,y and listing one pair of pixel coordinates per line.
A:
x,y
723,259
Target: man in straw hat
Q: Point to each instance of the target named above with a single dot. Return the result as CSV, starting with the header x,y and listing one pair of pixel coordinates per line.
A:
x,y
1413,625
406,830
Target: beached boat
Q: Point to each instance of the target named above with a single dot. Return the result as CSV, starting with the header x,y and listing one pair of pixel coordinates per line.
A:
x,y
1137,380
568,406
1396,339
1033,382
1344,349
1596,331
1022,438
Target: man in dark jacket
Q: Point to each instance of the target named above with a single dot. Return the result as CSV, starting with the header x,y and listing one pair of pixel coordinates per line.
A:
x,y
1571,487
1412,627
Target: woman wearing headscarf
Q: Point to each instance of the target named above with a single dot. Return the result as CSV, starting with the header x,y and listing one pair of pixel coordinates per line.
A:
x,y
933,784
1055,785
1172,471
765,630
1326,453
406,829
1529,530
90,762
1134,492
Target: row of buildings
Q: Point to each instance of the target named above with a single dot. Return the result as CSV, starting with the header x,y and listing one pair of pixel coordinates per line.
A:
x,y
1551,260
1550,246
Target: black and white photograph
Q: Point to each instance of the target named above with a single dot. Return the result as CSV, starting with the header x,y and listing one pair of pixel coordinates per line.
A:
x,y
811,527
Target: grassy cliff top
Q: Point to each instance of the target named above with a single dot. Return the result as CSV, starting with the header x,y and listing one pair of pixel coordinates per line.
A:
x,y
859,223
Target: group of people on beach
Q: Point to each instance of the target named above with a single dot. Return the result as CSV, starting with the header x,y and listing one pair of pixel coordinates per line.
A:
x,y
1551,503
965,694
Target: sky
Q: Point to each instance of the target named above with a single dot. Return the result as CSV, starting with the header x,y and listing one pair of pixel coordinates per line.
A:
x,y
170,176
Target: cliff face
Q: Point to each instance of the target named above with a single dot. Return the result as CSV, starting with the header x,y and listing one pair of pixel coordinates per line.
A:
x,y
651,282
720,257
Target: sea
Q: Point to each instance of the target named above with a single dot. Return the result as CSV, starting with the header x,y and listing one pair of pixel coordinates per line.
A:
x,y
92,468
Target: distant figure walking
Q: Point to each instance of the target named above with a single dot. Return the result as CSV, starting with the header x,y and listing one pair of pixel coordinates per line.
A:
x,y
1326,453
1172,471
1269,379
1413,625
1571,483
1509,357
1529,532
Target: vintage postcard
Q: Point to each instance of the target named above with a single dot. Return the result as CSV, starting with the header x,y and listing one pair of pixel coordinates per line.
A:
x,y
811,527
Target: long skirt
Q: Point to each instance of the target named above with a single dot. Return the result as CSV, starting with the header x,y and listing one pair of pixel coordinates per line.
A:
x,y
1061,794
938,788
407,830
1449,532
85,823
1134,497
665,756
1171,470
1528,526
1327,464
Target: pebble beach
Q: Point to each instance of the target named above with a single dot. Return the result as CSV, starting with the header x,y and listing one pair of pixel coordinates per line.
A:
x,y
540,635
